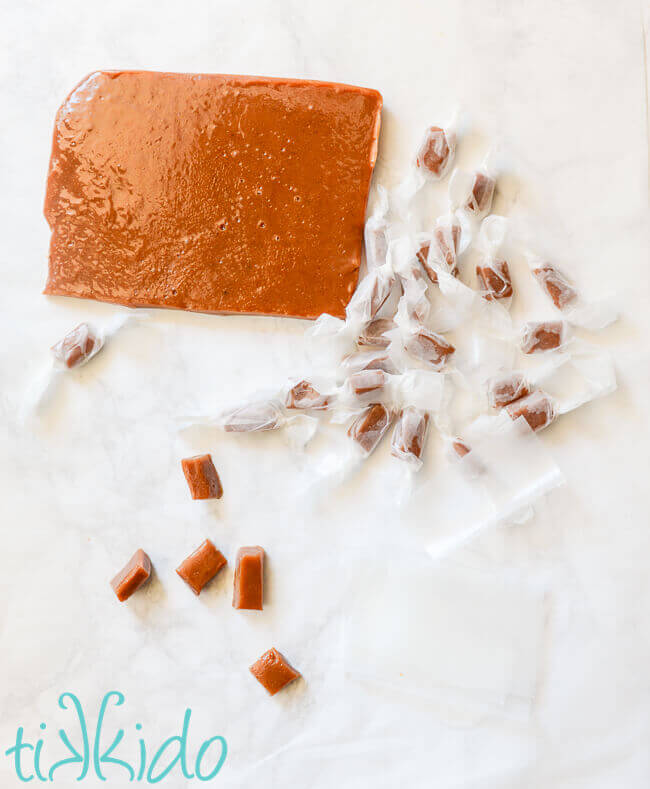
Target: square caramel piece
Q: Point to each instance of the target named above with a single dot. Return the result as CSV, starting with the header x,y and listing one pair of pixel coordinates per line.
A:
x,y
131,577
209,192
273,671
248,592
202,477
201,566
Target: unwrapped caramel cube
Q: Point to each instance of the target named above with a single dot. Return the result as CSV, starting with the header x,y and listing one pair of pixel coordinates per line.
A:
x,y
273,671
248,592
202,477
201,566
131,577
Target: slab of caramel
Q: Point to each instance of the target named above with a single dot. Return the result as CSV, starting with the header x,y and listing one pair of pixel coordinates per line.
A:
x,y
212,193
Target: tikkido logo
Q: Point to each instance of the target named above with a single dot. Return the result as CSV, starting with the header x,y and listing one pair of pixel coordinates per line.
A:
x,y
96,757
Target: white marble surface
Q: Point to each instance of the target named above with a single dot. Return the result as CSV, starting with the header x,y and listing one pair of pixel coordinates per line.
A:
x,y
563,86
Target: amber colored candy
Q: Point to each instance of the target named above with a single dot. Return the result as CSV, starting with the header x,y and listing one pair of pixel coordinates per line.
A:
x,y
369,427
273,671
537,409
202,477
556,286
201,566
305,396
367,381
78,346
373,334
410,433
211,192
505,389
248,591
429,347
482,194
542,336
131,577
253,418
435,151
495,279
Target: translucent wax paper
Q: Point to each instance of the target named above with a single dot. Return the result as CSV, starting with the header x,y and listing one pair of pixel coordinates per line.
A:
x,y
261,413
506,470
567,298
416,628
71,352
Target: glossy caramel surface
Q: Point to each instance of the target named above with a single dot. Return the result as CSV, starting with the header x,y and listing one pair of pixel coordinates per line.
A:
x,y
211,193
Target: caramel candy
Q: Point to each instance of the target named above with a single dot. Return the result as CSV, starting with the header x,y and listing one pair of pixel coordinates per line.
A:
x,y
206,192
495,279
202,477
132,576
537,409
369,427
542,336
429,347
201,566
373,334
367,381
273,671
423,255
369,360
446,240
248,590
480,199
410,434
304,395
252,418
371,294
556,286
436,151
78,346
505,389
460,447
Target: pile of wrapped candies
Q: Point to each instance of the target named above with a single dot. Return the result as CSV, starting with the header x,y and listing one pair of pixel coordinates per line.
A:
x,y
417,340
425,342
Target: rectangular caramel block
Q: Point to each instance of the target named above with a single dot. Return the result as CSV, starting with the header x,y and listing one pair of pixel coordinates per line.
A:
x,y
209,192
249,578
273,671
131,577
202,477
201,566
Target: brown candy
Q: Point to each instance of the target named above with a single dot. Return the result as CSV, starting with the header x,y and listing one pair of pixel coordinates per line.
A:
x,y
410,434
446,240
429,347
555,285
131,577
251,418
304,395
537,409
201,566
505,389
248,591
367,381
435,152
495,280
369,360
482,194
373,334
78,346
273,671
202,477
542,336
460,447
369,427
